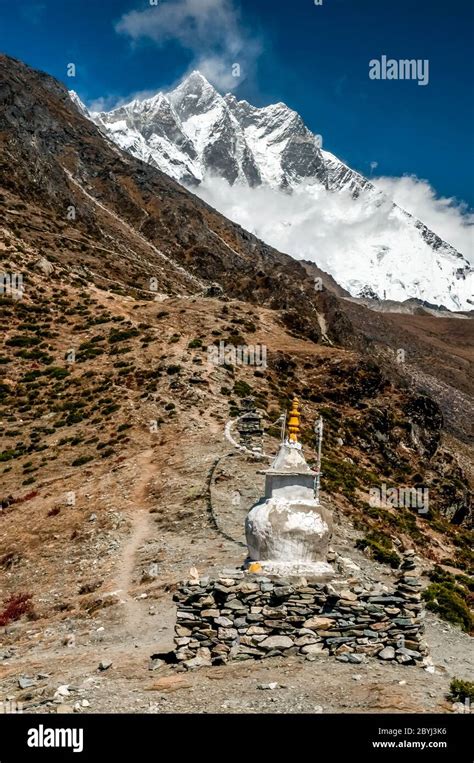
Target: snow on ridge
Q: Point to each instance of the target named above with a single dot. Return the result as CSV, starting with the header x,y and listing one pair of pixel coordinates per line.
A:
x,y
334,215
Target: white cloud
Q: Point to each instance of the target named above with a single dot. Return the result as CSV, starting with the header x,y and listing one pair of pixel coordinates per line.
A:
x,y
450,219
210,29
363,242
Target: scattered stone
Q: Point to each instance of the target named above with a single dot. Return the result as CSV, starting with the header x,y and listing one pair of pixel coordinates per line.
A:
x,y
270,687
61,691
151,573
24,682
44,265
105,665
202,659
387,654
403,659
410,653
313,649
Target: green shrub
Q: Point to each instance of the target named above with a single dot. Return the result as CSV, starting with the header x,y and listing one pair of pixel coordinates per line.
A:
x,y
120,336
194,344
460,690
56,372
21,341
448,601
7,455
381,548
242,389
110,409
82,460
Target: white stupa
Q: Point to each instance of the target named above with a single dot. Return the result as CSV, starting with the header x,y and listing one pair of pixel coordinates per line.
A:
x,y
288,532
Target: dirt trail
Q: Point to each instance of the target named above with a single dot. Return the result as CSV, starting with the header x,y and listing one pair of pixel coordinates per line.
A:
x,y
140,530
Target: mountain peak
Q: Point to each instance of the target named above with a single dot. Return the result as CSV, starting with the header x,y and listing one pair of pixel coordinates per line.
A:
x,y
195,82
194,133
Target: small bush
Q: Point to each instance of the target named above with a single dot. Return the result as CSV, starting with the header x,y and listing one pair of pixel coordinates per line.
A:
x,y
242,389
15,607
21,341
460,690
448,601
55,372
82,460
194,344
121,336
380,547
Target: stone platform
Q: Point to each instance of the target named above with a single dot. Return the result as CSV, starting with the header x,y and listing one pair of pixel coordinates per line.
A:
x,y
253,617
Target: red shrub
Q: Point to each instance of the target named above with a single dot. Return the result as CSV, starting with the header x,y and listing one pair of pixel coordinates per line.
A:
x,y
16,607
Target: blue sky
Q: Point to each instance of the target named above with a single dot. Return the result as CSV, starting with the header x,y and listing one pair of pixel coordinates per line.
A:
x,y
314,58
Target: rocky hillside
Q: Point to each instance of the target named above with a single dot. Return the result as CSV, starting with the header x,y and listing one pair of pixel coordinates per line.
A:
x,y
113,455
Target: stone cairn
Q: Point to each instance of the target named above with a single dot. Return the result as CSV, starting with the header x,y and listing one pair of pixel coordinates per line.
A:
x,y
250,427
246,617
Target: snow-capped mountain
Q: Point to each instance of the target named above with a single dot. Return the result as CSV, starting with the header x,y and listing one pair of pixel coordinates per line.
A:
x,y
263,168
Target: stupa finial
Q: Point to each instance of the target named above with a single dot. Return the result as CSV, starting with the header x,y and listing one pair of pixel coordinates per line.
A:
x,y
294,421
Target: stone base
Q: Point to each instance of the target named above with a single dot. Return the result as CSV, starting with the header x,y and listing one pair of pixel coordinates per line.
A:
x,y
253,617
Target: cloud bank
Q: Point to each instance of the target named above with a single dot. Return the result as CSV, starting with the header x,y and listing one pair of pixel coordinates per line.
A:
x,y
450,219
363,243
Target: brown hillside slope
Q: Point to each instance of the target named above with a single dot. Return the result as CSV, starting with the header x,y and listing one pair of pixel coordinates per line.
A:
x,y
113,418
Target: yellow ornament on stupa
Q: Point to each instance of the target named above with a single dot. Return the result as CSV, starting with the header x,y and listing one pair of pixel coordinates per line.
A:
x,y
294,421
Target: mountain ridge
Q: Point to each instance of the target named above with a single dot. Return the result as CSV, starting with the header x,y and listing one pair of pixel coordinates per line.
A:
x,y
195,135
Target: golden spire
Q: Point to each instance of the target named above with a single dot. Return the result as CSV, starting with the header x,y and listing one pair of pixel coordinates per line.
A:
x,y
294,421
